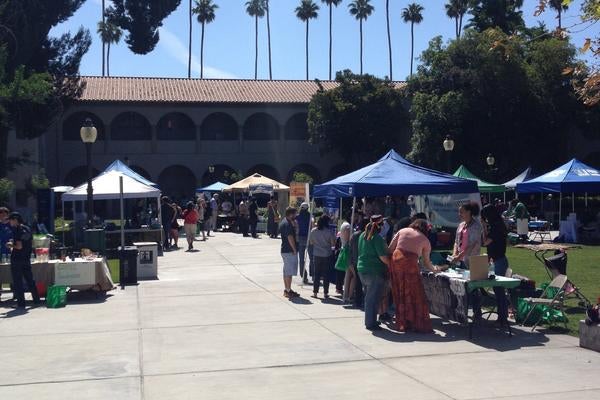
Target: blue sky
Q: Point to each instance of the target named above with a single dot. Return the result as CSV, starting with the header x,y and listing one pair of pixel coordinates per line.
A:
x,y
229,43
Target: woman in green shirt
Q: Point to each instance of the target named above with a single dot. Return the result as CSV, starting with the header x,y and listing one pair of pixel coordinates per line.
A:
x,y
373,261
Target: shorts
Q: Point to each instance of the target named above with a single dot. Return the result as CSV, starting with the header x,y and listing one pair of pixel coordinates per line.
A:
x,y
290,264
190,230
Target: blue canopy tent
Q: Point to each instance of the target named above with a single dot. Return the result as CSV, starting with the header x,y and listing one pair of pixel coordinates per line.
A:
x,y
215,187
121,167
572,177
395,176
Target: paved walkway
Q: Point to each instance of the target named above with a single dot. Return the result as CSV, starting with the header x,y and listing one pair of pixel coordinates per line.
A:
x,y
215,326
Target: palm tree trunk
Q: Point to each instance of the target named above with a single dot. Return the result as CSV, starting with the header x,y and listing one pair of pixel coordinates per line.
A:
x,y
361,46
412,46
108,59
190,43
456,27
460,25
103,44
330,37
202,53
269,41
559,18
256,47
387,19
307,49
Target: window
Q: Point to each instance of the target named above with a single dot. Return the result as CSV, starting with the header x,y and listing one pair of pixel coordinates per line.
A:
x,y
130,126
219,126
261,126
74,122
296,128
176,126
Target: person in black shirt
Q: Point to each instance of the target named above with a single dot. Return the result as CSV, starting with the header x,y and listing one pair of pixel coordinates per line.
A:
x,y
495,241
166,215
253,210
20,260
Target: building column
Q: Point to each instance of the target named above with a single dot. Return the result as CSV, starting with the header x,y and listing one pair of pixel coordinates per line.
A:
x,y
154,138
106,139
241,138
198,139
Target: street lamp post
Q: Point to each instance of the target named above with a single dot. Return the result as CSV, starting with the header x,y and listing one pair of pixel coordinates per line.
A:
x,y
449,147
88,135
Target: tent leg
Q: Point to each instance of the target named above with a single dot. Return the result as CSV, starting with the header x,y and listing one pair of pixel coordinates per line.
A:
x,y
122,212
353,211
573,202
586,202
341,216
559,209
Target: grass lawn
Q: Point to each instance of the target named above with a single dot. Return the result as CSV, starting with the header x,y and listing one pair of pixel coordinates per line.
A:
x,y
583,268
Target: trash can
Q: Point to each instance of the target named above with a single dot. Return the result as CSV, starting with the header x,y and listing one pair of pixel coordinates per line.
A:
x,y
128,256
95,240
147,261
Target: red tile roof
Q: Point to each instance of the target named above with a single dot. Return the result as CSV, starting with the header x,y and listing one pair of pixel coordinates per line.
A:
x,y
178,90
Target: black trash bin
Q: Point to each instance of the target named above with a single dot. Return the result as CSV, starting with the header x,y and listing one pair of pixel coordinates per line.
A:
x,y
128,256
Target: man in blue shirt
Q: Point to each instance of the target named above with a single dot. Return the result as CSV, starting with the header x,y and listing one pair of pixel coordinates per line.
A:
x,y
5,233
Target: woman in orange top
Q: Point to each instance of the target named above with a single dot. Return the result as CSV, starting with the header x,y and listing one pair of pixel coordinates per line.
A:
x,y
412,311
190,219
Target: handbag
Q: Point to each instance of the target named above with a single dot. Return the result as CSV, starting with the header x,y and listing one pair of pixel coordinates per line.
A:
x,y
343,259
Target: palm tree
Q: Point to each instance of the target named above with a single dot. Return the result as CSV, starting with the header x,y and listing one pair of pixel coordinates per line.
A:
x,y
559,6
269,37
306,11
205,11
389,36
361,10
256,9
457,9
190,14
103,43
330,4
413,14
110,34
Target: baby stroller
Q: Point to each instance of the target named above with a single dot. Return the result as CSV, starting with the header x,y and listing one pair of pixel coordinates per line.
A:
x,y
557,265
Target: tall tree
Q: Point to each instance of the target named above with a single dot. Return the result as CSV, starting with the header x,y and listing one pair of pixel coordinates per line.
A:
x,y
267,9
255,9
456,9
413,14
141,20
331,4
361,10
190,15
205,11
505,15
110,34
306,11
103,44
559,6
389,37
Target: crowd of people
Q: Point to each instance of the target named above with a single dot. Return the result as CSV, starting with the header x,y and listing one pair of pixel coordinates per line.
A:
x,y
377,270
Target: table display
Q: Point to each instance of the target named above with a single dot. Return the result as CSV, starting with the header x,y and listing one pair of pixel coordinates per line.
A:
x,y
448,294
113,238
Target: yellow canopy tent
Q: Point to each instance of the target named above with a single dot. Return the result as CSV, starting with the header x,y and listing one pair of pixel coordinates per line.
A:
x,y
253,180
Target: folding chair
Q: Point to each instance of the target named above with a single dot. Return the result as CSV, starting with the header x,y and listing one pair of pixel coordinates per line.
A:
x,y
492,295
556,302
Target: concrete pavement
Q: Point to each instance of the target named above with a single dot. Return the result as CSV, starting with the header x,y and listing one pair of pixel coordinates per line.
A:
x,y
216,326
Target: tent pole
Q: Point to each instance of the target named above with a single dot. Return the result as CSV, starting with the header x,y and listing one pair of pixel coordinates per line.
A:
x,y
560,208
63,227
122,211
162,230
572,202
586,202
353,211
341,216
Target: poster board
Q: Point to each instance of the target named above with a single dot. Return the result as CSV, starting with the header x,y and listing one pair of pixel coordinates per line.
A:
x,y
442,209
75,273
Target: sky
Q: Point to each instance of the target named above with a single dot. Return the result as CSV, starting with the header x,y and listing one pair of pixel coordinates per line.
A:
x,y
229,40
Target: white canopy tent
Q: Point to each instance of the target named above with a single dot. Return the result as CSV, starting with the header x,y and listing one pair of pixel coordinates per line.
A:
x,y
114,185
256,179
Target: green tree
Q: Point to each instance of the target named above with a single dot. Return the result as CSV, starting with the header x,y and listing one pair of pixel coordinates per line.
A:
x,y
413,14
559,6
205,11
456,9
306,11
362,118
361,10
7,187
493,93
141,20
255,9
331,4
109,34
505,15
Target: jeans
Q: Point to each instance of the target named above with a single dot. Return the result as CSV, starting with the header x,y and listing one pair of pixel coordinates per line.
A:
x,y
253,223
500,267
243,224
358,289
19,272
166,235
373,286
322,265
301,254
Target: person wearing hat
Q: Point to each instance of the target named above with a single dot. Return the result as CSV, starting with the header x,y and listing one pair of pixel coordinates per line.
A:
x,y
20,260
304,222
373,262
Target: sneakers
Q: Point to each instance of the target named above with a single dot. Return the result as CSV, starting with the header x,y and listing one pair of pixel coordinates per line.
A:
x,y
290,294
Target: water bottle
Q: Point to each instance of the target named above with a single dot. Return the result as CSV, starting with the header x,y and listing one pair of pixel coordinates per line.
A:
x,y
492,269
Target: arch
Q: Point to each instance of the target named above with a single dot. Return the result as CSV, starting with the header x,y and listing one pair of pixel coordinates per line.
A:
x,y
296,128
265,170
308,169
219,126
130,125
141,171
222,173
177,182
72,124
78,175
261,126
175,126
337,171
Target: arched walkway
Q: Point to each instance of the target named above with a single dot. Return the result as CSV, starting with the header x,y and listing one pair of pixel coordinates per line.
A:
x,y
177,182
130,126
219,126
141,171
265,170
222,173
78,175
307,169
261,126
73,123
296,128
176,126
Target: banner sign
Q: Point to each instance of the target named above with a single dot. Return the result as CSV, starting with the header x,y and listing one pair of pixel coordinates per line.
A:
x,y
442,209
299,193
260,189
331,207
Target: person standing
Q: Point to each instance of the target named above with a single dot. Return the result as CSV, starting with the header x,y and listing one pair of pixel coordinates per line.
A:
x,y
244,214
521,216
412,309
323,241
190,222
201,218
20,260
5,233
272,215
304,221
373,261
355,293
253,217
166,215
289,251
214,206
175,225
